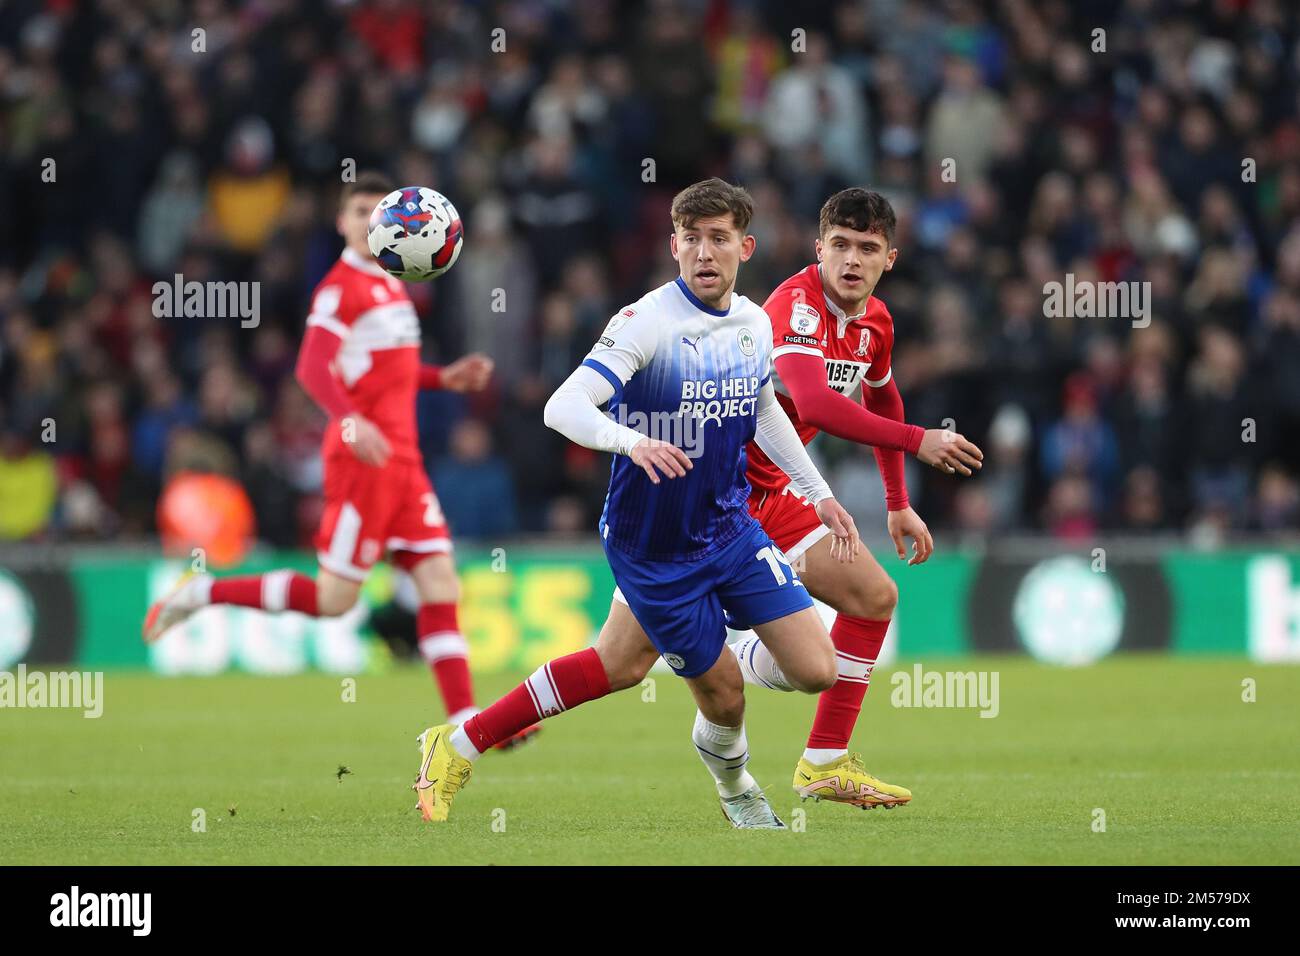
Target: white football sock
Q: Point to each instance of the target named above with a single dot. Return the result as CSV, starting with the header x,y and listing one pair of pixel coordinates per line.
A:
x,y
465,713
758,665
725,751
461,743
818,757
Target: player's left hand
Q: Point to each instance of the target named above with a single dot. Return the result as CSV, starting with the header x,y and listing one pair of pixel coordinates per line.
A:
x,y
469,373
847,544
908,524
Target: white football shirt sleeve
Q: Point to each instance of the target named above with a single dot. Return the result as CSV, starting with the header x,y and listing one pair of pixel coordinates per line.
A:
x,y
625,347
776,437
574,412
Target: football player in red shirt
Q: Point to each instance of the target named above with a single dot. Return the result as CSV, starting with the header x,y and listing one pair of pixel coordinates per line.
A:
x,y
832,367
832,342
360,362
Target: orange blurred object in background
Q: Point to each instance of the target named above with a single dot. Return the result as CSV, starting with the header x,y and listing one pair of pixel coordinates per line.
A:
x,y
205,511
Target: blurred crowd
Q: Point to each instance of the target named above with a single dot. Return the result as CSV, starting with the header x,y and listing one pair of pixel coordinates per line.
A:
x,y
140,139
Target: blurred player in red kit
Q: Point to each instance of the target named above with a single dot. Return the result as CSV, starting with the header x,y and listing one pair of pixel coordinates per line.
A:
x,y
360,362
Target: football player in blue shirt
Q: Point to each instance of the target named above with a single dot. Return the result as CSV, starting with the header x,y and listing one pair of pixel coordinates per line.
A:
x,y
685,373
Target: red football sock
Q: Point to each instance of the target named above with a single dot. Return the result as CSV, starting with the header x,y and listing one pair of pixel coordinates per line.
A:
x,y
447,653
273,591
555,687
857,644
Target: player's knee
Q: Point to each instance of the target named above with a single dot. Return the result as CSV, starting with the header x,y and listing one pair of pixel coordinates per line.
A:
x,y
441,592
872,597
436,581
824,675
728,710
332,603
884,597
628,670
815,674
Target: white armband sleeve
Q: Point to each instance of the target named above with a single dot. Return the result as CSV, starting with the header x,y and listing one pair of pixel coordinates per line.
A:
x,y
779,441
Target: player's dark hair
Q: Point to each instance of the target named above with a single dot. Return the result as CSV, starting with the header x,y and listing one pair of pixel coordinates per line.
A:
x,y
862,210
369,182
710,198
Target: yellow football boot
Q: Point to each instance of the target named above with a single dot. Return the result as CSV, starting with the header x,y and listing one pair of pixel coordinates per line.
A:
x,y
846,781
442,773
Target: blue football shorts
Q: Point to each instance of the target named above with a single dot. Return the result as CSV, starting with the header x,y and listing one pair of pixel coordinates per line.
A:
x,y
686,607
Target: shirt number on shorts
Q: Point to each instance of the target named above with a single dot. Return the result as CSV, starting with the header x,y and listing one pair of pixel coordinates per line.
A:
x,y
432,510
775,559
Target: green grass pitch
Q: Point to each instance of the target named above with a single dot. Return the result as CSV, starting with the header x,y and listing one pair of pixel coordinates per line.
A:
x,y
1184,770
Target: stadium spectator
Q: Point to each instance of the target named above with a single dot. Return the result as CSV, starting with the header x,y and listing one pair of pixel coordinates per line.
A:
x,y
474,485
28,487
127,156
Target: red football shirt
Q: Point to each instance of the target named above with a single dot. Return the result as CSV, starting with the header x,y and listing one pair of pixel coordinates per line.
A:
x,y
378,364
856,349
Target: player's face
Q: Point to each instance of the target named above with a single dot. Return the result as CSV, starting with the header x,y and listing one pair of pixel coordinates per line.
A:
x,y
354,218
852,263
709,253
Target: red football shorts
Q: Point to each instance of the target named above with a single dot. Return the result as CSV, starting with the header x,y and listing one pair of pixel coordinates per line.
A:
x,y
369,511
789,520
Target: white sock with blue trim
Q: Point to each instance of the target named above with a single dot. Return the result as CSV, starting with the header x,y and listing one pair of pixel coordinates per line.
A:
x,y
725,751
758,665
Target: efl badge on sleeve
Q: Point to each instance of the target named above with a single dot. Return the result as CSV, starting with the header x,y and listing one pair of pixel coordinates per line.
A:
x,y
803,319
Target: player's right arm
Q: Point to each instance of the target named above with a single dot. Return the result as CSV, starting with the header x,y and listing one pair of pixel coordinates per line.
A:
x,y
819,405
326,332
625,347
802,367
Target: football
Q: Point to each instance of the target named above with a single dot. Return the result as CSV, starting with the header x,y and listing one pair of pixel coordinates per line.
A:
x,y
415,233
